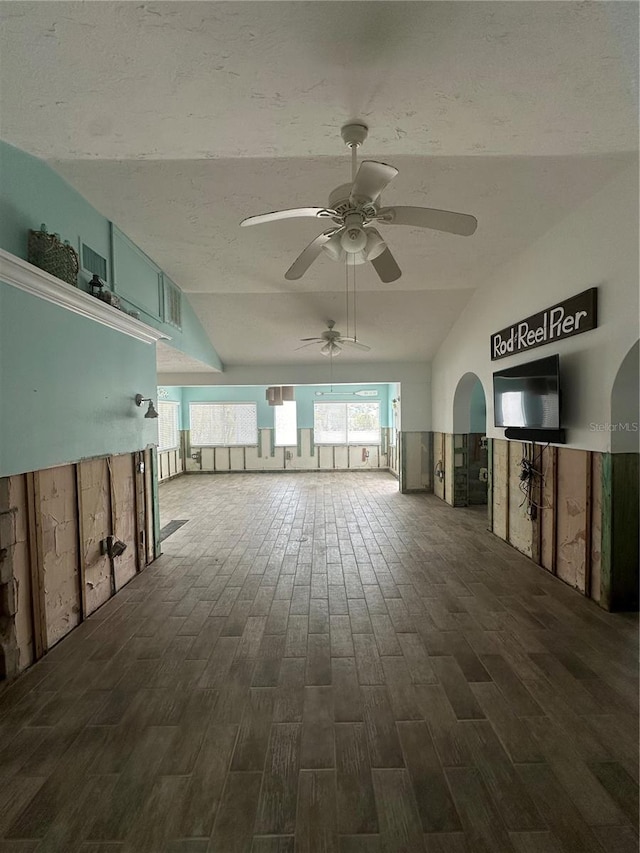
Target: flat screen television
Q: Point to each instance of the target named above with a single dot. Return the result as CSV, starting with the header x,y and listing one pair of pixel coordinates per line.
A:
x,y
528,396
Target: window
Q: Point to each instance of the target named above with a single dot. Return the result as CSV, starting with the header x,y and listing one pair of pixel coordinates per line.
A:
x,y
223,424
286,424
346,423
168,438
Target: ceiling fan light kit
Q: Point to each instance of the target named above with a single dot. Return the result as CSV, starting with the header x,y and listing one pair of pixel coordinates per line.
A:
x,y
353,208
333,341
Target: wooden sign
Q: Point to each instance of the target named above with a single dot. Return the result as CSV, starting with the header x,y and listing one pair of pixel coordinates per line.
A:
x,y
571,317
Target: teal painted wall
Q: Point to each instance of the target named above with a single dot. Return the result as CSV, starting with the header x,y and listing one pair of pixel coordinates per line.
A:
x,y
67,386
172,393
305,396
31,193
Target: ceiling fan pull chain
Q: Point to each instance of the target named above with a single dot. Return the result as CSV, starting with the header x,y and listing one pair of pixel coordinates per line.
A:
x,y
346,271
355,330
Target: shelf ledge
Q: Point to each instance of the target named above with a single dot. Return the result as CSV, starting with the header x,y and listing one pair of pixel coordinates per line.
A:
x,y
23,275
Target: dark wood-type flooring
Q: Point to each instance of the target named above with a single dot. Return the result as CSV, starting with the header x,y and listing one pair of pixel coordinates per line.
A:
x,y
319,664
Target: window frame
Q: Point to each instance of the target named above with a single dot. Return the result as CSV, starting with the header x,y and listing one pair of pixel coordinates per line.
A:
x,y
175,406
232,403
347,442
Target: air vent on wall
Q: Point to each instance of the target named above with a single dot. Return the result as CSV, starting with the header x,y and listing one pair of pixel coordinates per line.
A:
x,y
172,303
93,262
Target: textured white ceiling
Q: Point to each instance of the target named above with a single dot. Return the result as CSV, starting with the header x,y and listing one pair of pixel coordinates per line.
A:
x,y
177,119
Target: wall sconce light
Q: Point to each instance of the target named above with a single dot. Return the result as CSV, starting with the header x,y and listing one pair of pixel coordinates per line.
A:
x,y
151,412
112,547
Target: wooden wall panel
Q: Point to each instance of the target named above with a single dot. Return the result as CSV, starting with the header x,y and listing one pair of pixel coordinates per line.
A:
x,y
265,458
438,457
520,527
325,457
123,508
448,469
547,514
148,506
340,457
96,526
138,461
59,530
236,459
596,526
20,566
500,488
571,516
221,460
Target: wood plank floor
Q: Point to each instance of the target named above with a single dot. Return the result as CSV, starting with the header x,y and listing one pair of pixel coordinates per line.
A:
x,y
318,664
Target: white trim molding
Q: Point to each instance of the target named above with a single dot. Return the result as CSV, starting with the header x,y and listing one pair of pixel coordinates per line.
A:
x,y
23,275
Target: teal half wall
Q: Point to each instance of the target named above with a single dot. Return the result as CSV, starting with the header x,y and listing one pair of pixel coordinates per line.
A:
x,y
67,386
32,193
305,396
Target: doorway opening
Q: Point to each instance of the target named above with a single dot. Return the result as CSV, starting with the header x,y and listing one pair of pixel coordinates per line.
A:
x,y
470,463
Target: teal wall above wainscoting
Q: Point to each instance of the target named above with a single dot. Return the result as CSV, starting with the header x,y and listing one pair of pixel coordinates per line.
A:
x,y
67,386
305,396
32,193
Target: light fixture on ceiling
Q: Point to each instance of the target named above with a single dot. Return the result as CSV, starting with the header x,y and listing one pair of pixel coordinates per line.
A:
x,y
331,349
277,395
151,412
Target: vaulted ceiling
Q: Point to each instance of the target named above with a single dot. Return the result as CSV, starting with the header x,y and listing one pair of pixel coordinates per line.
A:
x,y
178,119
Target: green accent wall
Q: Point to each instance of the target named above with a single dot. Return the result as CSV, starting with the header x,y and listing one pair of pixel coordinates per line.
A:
x,y
67,386
170,393
305,396
32,193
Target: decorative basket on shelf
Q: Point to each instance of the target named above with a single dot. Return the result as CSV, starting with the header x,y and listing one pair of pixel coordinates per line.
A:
x,y
50,254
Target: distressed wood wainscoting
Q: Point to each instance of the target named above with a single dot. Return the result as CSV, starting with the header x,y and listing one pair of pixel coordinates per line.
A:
x,y
54,568
303,456
584,529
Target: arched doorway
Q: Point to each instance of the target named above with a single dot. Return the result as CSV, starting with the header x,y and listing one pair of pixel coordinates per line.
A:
x,y
620,491
470,468
625,403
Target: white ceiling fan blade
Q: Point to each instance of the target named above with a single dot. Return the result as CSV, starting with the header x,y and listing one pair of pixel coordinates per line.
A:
x,y
349,342
426,217
386,267
372,177
293,213
304,260
313,342
312,339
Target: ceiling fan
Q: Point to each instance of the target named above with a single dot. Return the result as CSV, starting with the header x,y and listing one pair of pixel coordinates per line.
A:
x,y
353,208
332,341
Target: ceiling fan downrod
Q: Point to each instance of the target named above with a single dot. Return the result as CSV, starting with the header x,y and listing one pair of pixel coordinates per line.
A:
x,y
354,136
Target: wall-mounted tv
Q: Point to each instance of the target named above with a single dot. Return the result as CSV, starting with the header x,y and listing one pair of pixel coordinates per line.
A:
x,y
528,396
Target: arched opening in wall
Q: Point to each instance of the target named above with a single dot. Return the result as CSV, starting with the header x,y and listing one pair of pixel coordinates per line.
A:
x,y
468,466
625,430
620,492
